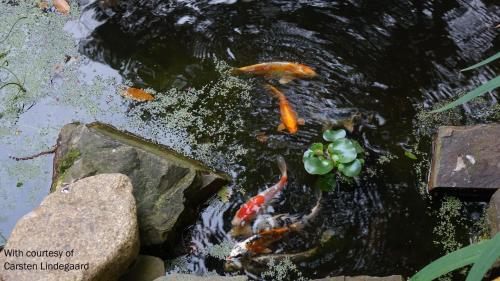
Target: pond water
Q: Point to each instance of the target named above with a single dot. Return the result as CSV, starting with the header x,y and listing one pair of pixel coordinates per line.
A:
x,y
382,61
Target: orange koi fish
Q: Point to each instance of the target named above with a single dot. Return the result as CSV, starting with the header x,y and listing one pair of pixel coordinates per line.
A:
x,y
285,71
289,118
249,210
259,243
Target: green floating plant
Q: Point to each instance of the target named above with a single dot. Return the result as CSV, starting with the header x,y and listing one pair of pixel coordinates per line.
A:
x,y
340,153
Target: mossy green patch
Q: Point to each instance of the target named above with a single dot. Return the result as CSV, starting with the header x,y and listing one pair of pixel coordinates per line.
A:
x,y
67,161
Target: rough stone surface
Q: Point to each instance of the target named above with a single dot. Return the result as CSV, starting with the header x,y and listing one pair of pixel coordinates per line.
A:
x,y
189,277
168,187
363,278
95,217
145,268
494,214
466,157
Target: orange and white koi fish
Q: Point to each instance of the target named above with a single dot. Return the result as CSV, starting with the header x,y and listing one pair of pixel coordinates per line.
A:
x,y
289,118
285,71
260,242
249,210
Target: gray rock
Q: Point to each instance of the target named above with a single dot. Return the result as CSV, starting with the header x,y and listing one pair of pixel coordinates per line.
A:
x,y
336,278
145,268
94,217
494,214
190,277
168,187
466,157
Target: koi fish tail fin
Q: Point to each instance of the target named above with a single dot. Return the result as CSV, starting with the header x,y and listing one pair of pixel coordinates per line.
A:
x,y
282,167
307,219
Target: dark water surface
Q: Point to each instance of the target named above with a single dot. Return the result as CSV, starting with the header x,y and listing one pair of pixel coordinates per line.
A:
x,y
381,59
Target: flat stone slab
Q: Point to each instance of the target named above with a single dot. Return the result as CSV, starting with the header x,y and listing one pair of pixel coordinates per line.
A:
x,y
494,214
466,157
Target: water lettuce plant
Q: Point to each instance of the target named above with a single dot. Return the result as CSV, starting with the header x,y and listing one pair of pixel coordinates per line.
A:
x,y
486,87
340,153
482,255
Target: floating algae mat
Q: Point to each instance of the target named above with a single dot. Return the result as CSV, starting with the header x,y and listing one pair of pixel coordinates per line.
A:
x,y
379,69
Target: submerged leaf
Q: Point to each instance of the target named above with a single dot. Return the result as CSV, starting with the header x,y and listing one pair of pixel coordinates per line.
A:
x,y
486,61
137,94
352,169
344,149
488,86
326,182
318,165
410,155
332,135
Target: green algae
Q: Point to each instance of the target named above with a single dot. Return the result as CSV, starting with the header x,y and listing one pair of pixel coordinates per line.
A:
x,y
67,161
283,270
450,217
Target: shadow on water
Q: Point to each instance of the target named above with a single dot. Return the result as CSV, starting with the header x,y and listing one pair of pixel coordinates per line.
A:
x,y
377,58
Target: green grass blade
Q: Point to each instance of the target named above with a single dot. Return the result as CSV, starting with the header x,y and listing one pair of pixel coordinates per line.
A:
x,y
451,261
486,61
488,86
486,260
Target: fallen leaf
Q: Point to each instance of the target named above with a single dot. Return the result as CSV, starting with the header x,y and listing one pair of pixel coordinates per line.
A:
x,y
61,6
410,155
137,94
261,137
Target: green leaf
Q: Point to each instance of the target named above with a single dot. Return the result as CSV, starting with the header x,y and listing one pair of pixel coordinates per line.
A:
x,y
358,147
352,169
326,182
317,148
307,154
486,260
486,61
318,165
331,135
451,261
410,155
344,149
488,86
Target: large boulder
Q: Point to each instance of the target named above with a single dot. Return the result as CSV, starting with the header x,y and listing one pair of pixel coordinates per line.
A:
x,y
168,187
466,157
90,226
